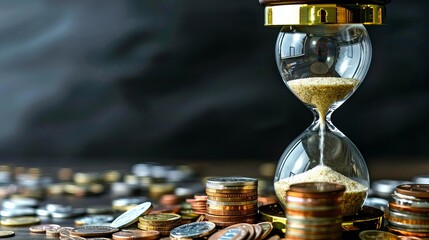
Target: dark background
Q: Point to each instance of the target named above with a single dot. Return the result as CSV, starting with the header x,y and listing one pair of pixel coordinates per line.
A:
x,y
189,80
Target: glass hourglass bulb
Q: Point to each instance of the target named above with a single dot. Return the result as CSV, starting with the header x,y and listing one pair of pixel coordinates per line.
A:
x,y
323,65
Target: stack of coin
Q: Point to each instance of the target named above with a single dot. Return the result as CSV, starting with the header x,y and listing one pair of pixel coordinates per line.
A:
x,y
232,200
198,204
162,222
409,210
314,211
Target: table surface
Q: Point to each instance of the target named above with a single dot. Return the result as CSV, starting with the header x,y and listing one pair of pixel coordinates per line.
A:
x,y
391,169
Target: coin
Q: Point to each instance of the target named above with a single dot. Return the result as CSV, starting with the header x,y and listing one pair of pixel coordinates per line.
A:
x,y
410,209
267,227
93,219
93,231
415,190
136,235
258,231
17,212
53,231
68,213
377,234
317,187
193,230
249,228
4,233
19,221
236,233
42,228
232,181
131,216
160,218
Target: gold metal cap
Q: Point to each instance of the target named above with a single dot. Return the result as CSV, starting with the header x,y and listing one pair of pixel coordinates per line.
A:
x,y
319,14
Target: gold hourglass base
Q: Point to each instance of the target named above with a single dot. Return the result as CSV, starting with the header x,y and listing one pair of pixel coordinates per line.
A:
x,y
368,218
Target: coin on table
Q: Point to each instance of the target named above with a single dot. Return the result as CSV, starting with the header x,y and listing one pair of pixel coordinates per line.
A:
x,y
267,227
131,216
236,233
53,232
258,231
160,218
6,233
377,234
19,221
42,228
93,220
248,227
93,231
193,230
136,235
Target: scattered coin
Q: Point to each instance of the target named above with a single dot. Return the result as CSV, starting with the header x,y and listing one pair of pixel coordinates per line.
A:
x,y
19,221
136,235
267,227
248,227
4,233
93,220
377,234
234,233
131,216
193,230
42,228
93,231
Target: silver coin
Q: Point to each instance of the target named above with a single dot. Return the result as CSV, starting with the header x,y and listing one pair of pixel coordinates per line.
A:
x,y
19,212
193,230
94,219
51,207
43,212
385,187
131,216
68,213
128,201
20,203
233,181
421,179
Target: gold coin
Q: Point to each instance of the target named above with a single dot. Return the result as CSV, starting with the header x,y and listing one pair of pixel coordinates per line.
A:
x,y
160,218
19,221
6,233
377,234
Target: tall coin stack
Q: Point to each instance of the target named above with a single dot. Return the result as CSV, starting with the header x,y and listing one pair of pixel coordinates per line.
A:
x,y
232,200
409,210
314,211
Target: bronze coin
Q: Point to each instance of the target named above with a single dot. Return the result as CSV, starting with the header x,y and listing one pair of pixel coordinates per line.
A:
x,y
233,207
414,190
317,187
407,233
136,235
232,195
405,208
42,228
233,199
314,201
210,191
202,197
235,233
232,212
93,231
326,213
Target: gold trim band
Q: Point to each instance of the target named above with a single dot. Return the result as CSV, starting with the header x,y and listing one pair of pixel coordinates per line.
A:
x,y
319,14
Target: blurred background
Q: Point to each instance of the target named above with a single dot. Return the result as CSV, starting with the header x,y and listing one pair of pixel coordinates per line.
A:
x,y
164,80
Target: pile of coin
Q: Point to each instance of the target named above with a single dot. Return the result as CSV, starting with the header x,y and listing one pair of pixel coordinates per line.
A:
x,y
161,222
198,204
314,211
409,210
232,200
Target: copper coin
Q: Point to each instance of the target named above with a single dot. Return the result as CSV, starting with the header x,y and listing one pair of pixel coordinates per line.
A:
x,y
42,228
93,231
235,233
136,235
327,213
314,201
211,191
317,187
405,208
232,212
407,233
248,227
233,199
232,195
200,197
228,224
233,207
414,190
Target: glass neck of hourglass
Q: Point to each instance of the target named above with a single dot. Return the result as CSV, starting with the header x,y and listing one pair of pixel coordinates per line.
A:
x,y
322,121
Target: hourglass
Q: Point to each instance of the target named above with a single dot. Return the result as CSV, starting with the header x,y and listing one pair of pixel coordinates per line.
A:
x,y
323,53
